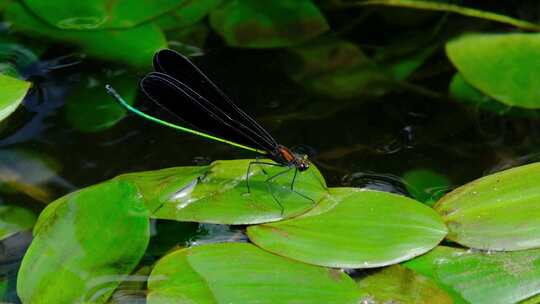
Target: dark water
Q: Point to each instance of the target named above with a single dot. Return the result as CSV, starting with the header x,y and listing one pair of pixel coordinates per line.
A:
x,y
360,142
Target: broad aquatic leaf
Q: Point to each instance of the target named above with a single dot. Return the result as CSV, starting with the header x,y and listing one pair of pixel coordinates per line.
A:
x,y
15,219
397,284
482,277
261,24
496,212
503,66
354,228
85,243
242,273
100,14
13,92
426,185
188,14
114,45
219,194
91,109
335,68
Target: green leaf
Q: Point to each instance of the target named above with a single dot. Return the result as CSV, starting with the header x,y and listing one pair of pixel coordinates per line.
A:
x,y
426,185
335,68
218,193
114,45
13,92
497,212
482,277
397,284
100,14
262,24
188,14
15,219
242,273
91,109
84,245
354,228
503,66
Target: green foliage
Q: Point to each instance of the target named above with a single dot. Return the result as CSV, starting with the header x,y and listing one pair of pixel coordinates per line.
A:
x,y
426,185
100,231
482,277
15,219
481,58
242,273
117,45
100,14
397,284
496,212
354,229
90,109
262,24
188,14
13,92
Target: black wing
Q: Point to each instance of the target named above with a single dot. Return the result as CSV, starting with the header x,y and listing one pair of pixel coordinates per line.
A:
x,y
182,69
186,104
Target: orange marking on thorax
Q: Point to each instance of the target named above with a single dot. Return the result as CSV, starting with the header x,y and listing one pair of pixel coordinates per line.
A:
x,y
287,154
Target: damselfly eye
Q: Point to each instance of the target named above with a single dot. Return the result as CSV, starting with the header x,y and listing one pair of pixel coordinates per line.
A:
x,y
303,166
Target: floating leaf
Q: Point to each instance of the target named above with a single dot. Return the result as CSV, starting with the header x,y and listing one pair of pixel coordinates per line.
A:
x,y
15,219
481,277
219,193
84,245
91,109
397,284
242,273
13,92
116,45
497,212
354,228
188,14
100,14
262,24
502,66
426,185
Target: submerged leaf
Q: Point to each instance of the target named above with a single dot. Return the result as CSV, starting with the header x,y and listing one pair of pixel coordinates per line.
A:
x,y
242,273
496,212
263,24
115,45
84,245
505,67
13,92
188,14
426,185
482,277
91,109
397,284
354,228
218,193
15,219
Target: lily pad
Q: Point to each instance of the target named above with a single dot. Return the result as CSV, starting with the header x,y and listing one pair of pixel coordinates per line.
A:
x,y
354,228
13,92
503,66
262,24
15,219
426,185
242,273
397,284
219,194
114,45
91,109
482,277
100,14
84,245
497,212
188,14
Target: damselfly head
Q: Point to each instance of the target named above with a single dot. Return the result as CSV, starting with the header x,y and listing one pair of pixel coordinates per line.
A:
x,y
302,163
